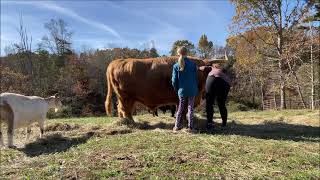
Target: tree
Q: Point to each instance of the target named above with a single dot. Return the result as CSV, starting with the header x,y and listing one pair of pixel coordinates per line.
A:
x,y
280,18
315,4
25,44
153,53
59,39
252,71
189,45
309,20
205,47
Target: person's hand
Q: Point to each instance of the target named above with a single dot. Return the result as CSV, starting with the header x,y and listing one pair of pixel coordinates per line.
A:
x,y
202,68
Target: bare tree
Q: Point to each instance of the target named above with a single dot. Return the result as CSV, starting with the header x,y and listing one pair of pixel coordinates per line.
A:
x,y
59,39
25,44
312,68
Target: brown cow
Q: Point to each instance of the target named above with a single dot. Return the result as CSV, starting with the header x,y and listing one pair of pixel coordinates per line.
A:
x,y
147,81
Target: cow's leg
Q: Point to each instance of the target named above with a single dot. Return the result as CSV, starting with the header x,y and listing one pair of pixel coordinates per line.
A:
x,y
155,112
120,110
41,126
125,111
164,110
128,107
173,110
28,132
10,133
1,137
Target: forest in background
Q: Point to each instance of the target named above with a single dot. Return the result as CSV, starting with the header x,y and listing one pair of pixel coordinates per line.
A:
x,y
273,56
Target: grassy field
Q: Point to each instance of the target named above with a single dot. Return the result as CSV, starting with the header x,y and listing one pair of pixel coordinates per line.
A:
x,y
255,145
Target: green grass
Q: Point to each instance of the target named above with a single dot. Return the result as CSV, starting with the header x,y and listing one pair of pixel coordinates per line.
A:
x,y
256,145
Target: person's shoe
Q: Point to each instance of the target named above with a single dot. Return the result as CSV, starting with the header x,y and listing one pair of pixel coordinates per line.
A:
x,y
176,129
210,128
224,123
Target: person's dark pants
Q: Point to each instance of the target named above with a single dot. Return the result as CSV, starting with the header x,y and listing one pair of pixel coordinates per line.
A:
x,y
216,88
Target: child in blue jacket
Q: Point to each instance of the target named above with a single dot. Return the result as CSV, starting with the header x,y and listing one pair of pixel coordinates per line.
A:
x,y
185,83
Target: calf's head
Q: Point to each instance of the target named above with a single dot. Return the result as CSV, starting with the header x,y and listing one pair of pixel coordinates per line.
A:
x,y
54,102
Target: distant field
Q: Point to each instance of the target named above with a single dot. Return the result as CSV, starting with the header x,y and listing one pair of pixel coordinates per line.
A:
x,y
270,144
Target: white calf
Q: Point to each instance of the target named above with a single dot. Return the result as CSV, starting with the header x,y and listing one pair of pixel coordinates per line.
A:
x,y
21,111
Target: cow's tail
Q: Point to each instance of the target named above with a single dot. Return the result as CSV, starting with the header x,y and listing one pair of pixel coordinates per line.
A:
x,y
108,103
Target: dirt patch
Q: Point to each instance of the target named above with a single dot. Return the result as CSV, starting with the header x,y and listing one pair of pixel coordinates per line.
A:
x,y
124,158
111,130
61,127
177,159
119,131
95,128
124,121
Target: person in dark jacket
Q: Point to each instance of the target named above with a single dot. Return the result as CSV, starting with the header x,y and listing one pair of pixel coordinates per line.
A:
x,y
185,83
217,87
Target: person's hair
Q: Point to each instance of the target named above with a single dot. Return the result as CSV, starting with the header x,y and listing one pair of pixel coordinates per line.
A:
x,y
223,67
182,52
216,65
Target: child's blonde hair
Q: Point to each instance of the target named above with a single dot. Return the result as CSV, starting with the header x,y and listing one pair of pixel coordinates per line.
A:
x,y
182,52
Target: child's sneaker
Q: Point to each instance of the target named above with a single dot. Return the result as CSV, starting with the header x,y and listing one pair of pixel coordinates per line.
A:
x,y
176,129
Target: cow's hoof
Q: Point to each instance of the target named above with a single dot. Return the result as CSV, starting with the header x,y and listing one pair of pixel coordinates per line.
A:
x,y
126,121
12,147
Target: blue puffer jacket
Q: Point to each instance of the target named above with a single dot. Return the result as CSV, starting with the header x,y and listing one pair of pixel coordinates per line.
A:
x,y
186,81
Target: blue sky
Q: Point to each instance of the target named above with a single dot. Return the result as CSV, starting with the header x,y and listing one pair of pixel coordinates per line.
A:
x,y
132,23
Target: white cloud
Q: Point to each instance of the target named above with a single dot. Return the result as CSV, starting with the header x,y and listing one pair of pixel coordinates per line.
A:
x,y
68,12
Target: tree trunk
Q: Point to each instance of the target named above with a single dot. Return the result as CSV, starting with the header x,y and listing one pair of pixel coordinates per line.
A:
x,y
274,98
312,70
282,89
299,91
298,85
280,54
262,95
252,90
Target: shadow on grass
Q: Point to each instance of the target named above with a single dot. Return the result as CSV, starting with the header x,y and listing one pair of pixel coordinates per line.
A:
x,y
267,130
145,125
273,130
53,143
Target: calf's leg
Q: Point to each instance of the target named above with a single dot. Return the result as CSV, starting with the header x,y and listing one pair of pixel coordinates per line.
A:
x,y
28,132
41,126
1,137
10,133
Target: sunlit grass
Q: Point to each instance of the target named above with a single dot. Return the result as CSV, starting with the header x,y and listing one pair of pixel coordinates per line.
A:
x,y
281,144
